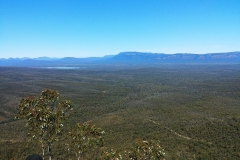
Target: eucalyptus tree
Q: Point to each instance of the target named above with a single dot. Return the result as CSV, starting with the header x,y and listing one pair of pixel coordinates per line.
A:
x,y
147,150
84,138
141,150
45,115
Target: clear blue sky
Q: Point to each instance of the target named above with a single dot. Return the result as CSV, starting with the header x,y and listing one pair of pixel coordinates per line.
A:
x,y
86,28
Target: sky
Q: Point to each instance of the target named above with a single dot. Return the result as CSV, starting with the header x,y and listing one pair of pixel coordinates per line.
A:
x,y
94,28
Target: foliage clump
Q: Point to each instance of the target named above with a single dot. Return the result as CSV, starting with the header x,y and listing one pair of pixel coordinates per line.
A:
x,y
147,150
84,138
141,150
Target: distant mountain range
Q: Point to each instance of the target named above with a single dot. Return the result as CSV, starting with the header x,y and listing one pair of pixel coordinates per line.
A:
x,y
126,58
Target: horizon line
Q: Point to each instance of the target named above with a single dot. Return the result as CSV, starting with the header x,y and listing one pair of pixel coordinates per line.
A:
x,y
116,54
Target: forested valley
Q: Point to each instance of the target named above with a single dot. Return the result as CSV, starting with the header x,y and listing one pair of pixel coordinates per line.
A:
x,y
193,110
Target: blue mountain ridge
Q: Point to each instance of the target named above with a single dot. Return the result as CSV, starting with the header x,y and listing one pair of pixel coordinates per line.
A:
x,y
144,58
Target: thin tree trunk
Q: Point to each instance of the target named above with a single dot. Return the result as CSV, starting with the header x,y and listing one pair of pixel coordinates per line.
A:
x,y
79,155
42,141
43,153
49,151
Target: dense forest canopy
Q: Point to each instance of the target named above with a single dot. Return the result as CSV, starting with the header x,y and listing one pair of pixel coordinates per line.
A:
x,y
193,110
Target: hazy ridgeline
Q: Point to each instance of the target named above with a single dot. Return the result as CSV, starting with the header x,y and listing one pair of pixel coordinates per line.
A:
x,y
194,110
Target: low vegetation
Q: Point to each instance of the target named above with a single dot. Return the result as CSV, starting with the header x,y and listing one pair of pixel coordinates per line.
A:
x,y
190,111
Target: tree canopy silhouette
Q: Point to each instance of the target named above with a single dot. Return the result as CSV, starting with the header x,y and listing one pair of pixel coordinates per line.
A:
x,y
45,115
